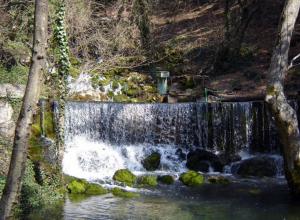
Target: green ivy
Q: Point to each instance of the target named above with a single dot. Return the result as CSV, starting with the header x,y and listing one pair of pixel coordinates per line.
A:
x,y
64,65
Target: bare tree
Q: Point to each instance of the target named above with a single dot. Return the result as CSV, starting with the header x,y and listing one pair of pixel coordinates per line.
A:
x,y
285,115
22,132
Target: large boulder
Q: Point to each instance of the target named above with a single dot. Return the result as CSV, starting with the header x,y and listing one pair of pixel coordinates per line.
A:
x,y
227,159
201,160
7,125
12,91
152,161
259,166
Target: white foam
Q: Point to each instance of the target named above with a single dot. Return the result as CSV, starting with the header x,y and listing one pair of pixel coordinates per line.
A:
x,y
99,161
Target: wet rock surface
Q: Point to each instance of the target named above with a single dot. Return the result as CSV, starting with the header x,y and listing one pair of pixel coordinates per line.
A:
x,y
201,160
152,162
258,166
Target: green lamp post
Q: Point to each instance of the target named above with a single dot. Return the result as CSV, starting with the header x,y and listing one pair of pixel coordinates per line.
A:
x,y
162,81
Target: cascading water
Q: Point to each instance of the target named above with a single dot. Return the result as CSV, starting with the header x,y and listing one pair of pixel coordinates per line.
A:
x,y
104,137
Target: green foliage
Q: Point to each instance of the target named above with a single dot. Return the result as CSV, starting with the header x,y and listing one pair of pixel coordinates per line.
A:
x,y
35,147
134,87
74,72
17,49
147,181
62,42
125,194
124,176
166,179
121,98
132,92
191,178
64,64
34,195
2,184
16,75
152,162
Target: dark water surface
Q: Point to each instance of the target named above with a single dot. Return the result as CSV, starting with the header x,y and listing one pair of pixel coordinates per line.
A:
x,y
249,199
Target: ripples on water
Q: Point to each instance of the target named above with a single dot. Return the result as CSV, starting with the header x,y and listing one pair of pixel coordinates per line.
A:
x,y
243,200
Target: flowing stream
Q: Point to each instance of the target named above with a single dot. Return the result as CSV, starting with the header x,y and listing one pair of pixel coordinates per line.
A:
x,y
104,137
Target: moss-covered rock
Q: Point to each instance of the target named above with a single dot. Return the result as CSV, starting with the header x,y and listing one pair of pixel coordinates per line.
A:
x,y
166,179
77,186
80,186
218,180
124,176
191,178
95,189
147,181
152,162
123,193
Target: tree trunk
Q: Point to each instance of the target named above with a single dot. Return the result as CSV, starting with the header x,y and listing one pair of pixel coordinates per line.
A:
x,y
285,115
22,132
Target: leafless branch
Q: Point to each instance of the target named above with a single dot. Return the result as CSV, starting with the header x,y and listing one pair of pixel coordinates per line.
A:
x,y
292,65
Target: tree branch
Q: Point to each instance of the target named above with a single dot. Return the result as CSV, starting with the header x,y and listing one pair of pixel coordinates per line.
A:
x,y
292,62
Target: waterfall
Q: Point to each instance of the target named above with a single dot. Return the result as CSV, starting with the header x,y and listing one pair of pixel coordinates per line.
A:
x,y
132,123
103,137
